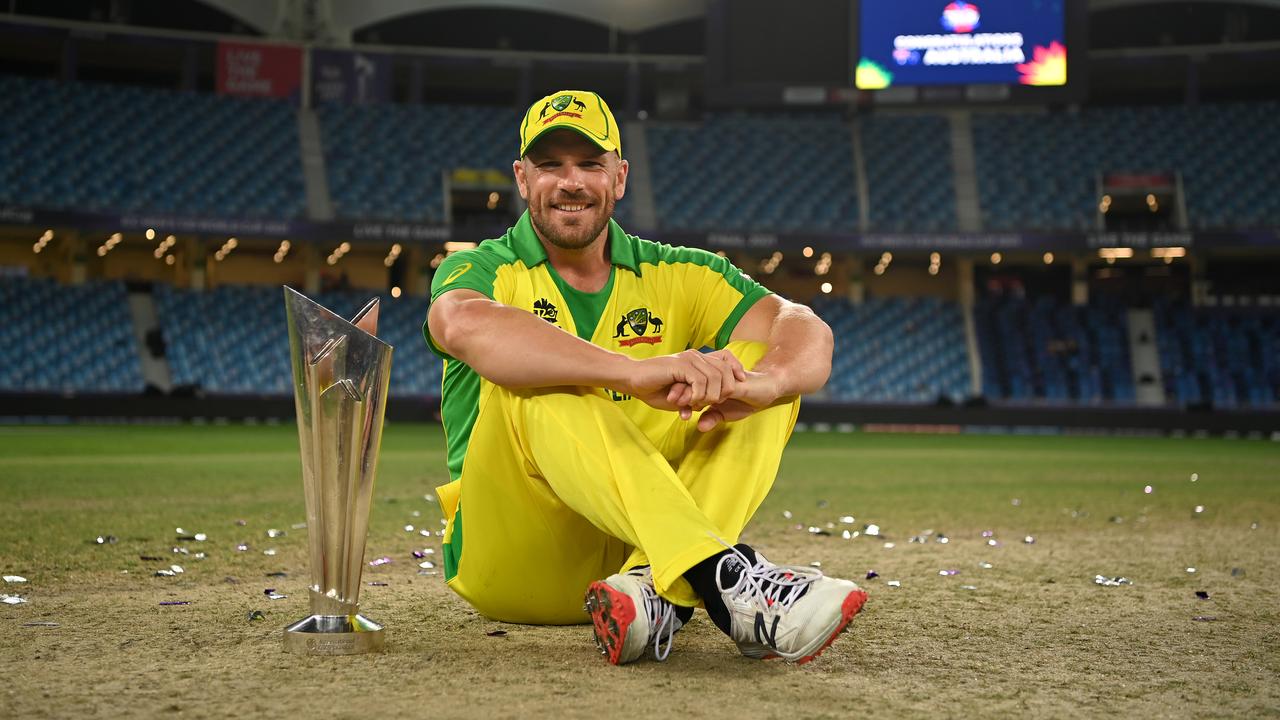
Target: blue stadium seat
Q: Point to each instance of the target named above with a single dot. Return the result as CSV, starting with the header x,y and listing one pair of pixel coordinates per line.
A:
x,y
784,173
1048,350
388,162
128,149
1040,170
55,338
1224,356
896,350
234,340
909,175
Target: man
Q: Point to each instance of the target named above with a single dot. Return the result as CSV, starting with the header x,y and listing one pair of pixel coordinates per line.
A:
x,y
581,447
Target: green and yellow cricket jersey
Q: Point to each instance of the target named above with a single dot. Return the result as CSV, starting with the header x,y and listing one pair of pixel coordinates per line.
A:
x,y
659,300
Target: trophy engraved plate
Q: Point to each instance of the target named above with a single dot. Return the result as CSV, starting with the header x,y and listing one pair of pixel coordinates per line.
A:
x,y
340,376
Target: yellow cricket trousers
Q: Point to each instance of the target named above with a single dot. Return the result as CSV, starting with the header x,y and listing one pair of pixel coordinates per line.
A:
x,y
561,488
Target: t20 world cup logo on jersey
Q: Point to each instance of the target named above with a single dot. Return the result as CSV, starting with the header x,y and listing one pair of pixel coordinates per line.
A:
x,y
638,321
546,310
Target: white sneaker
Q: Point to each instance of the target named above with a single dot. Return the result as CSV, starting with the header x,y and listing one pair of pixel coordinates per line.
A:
x,y
628,615
786,611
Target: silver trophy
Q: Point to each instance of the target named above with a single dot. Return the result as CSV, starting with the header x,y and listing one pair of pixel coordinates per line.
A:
x,y
340,376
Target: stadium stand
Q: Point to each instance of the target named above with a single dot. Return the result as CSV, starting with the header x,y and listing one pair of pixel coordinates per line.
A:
x,y
1226,357
1040,170
909,175
784,173
1046,350
388,162
104,147
58,339
234,339
896,350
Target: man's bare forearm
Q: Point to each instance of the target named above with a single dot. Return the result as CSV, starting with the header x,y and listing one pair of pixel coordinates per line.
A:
x,y
515,349
799,355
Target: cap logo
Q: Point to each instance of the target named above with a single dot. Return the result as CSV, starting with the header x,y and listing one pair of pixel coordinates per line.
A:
x,y
559,103
583,111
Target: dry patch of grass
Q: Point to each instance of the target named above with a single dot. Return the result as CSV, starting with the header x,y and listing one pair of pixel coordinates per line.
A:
x,y
1032,635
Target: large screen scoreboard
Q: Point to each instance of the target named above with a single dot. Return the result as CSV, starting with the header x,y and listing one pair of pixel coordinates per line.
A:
x,y
954,42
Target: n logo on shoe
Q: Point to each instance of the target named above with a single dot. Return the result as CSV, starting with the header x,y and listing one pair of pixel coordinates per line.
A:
x,y
768,636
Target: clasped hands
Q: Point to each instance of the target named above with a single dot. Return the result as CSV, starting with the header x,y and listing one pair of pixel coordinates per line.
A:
x,y
693,381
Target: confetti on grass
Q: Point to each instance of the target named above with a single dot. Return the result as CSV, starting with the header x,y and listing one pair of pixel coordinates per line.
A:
x,y
1111,582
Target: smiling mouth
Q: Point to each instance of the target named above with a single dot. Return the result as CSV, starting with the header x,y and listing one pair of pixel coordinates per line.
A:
x,y
571,207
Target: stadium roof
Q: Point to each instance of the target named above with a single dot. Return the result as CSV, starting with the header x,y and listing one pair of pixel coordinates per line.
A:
x,y
630,16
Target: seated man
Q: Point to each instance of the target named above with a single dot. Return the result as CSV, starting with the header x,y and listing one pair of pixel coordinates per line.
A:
x,y
589,437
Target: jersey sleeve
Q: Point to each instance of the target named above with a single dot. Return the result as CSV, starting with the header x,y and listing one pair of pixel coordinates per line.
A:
x,y
719,294
470,269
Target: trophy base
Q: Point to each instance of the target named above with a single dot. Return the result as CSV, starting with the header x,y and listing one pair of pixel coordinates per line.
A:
x,y
334,635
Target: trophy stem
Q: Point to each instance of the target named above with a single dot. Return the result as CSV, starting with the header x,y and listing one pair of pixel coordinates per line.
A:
x,y
341,372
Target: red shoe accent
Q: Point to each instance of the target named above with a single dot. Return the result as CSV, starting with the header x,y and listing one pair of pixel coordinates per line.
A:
x,y
850,607
612,613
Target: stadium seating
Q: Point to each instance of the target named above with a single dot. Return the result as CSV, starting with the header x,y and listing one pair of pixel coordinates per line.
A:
x,y
909,175
1226,357
1040,170
61,339
754,172
234,339
388,162
127,149
896,350
1047,350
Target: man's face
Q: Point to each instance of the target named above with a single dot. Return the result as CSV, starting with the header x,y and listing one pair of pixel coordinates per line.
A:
x,y
571,188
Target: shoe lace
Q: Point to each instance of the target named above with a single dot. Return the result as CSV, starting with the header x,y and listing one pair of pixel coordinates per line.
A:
x,y
764,584
662,618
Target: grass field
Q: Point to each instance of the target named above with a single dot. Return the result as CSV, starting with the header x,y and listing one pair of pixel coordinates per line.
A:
x,y
1030,636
